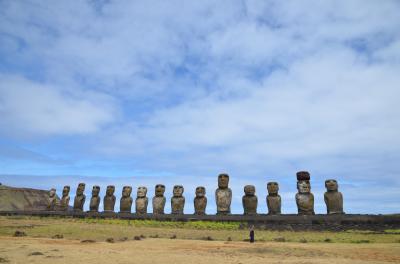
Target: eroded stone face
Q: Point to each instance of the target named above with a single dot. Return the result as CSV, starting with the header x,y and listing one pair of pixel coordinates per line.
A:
x,y
303,187
79,200
64,202
160,190
304,197
51,203
200,201
249,200
178,190
141,191
273,198
223,195
273,188
141,200
223,180
159,199
126,200
331,185
333,198
177,201
95,200
109,199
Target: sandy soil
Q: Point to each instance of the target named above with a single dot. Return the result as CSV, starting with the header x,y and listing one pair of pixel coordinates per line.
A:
x,y
43,250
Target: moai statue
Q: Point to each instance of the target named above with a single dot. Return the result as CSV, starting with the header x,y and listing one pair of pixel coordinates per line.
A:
x,y
223,195
200,201
64,202
304,197
177,200
273,199
51,202
159,199
109,199
95,200
79,197
141,200
333,198
249,200
126,200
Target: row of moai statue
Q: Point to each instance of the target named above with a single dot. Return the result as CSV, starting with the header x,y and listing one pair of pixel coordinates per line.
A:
x,y
223,197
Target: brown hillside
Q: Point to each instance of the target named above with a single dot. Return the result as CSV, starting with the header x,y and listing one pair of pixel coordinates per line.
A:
x,y
22,199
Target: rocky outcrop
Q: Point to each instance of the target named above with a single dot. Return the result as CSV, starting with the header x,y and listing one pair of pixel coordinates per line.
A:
x,y
23,199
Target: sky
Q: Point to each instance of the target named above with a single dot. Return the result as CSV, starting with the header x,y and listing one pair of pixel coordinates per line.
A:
x,y
176,92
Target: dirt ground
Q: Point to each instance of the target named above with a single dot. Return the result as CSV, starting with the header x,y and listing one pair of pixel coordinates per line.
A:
x,y
157,250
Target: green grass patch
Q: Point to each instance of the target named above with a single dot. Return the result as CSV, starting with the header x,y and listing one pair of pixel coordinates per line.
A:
x,y
101,229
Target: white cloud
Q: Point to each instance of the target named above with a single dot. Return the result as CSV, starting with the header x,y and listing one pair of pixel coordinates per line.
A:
x,y
257,88
31,107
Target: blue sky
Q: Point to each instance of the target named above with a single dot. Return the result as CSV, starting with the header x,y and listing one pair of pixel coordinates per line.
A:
x,y
175,92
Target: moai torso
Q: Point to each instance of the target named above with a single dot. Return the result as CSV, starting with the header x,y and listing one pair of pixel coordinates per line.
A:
x,y
273,199
64,202
223,195
333,198
95,200
304,197
79,200
159,200
200,201
141,200
177,201
249,200
109,199
126,200
52,201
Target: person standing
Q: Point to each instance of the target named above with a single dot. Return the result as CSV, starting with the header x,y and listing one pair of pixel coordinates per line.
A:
x,y
252,234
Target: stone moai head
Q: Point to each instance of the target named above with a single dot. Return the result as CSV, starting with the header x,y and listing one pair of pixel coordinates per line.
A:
x,y
95,191
81,189
249,190
273,188
141,192
223,181
110,190
160,190
52,193
66,190
200,191
303,182
178,191
126,191
331,185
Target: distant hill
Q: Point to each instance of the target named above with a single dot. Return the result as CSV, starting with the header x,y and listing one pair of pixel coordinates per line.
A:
x,y
23,199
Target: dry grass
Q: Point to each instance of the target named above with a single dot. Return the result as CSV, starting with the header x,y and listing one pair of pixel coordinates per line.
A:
x,y
44,250
100,230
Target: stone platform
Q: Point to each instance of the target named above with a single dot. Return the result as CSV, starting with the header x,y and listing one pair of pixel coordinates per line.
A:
x,y
262,221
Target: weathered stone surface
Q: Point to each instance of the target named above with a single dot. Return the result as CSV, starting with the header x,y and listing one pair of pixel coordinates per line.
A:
x,y
333,198
177,200
223,195
80,197
64,202
304,197
126,200
141,200
95,200
159,199
249,200
200,201
52,202
109,199
273,198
